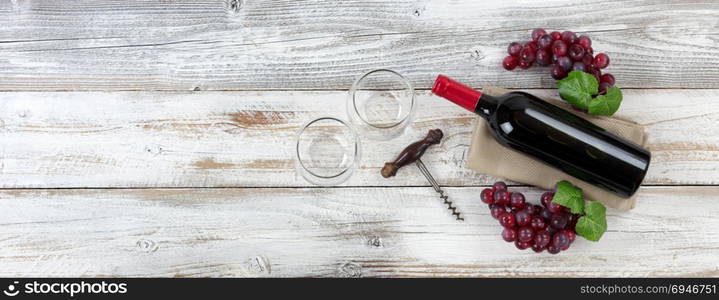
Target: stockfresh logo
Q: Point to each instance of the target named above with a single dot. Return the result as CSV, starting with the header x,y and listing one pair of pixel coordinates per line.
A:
x,y
12,289
65,288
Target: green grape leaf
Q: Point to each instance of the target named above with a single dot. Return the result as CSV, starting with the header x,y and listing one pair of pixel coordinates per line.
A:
x,y
570,196
606,104
593,224
577,88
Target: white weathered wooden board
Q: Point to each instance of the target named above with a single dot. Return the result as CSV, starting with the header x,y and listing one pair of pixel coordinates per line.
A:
x,y
291,44
334,232
267,222
236,139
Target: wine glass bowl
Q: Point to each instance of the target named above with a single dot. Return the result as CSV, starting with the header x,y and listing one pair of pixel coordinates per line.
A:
x,y
327,151
381,104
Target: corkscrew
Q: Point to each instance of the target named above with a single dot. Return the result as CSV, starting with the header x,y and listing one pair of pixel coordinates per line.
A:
x,y
413,153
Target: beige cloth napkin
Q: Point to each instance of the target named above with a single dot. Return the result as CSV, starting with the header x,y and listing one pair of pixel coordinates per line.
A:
x,y
487,156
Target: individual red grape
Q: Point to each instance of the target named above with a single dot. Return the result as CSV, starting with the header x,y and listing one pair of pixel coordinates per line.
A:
x,y
565,62
501,197
570,218
558,72
584,41
509,63
531,209
590,69
544,42
522,245
579,66
559,48
514,48
532,45
542,237
546,198
559,239
517,200
537,209
553,207
537,248
553,249
543,58
575,52
537,33
499,185
608,78
527,208
558,221
545,213
523,218
528,54
537,223
603,87
569,37
556,35
588,59
551,230
570,234
525,234
525,65
507,220
601,60
509,234
497,210
487,196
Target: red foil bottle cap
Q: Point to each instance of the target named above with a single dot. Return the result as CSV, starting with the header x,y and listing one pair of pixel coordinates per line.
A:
x,y
456,92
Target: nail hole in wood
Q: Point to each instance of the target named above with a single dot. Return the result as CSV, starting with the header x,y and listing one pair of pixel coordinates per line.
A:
x,y
153,149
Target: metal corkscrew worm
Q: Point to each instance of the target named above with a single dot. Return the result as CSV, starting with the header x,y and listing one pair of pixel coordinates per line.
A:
x,y
412,154
438,189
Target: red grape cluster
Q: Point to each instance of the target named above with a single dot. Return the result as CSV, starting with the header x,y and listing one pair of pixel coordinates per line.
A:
x,y
564,52
549,226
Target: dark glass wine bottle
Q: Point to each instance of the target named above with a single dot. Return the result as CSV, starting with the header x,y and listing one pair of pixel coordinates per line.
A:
x,y
555,136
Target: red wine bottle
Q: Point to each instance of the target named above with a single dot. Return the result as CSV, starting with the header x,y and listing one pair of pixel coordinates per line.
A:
x,y
555,136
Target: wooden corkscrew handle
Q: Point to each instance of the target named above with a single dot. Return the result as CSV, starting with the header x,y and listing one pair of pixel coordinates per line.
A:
x,y
412,153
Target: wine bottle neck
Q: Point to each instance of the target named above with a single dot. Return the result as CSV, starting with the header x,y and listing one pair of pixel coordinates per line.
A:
x,y
486,105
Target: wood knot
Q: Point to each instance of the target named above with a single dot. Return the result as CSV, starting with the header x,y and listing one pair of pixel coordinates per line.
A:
x,y
236,5
477,55
350,270
259,265
459,154
375,241
147,245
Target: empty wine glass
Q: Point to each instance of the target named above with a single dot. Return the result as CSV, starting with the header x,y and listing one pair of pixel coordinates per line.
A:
x,y
381,104
328,151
